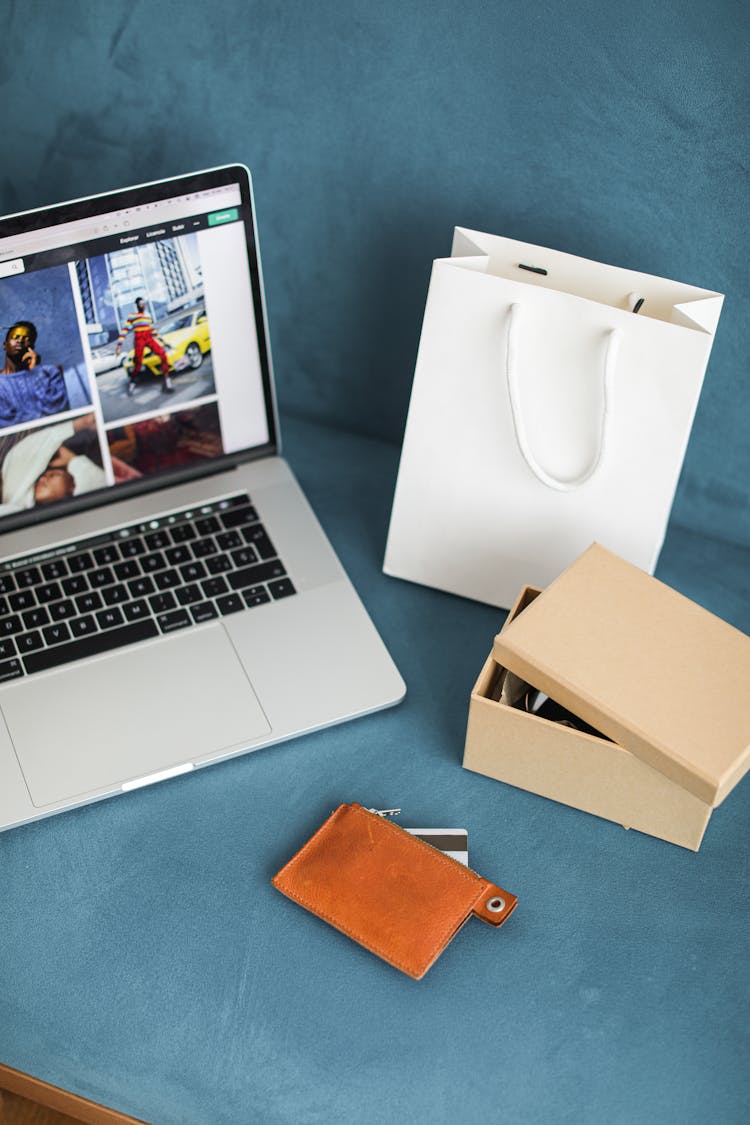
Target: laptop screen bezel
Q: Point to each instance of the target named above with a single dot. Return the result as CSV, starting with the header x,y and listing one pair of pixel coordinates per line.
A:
x,y
121,199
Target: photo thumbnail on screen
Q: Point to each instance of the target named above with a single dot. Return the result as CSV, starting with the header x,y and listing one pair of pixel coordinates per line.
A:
x,y
44,371
50,464
145,314
165,442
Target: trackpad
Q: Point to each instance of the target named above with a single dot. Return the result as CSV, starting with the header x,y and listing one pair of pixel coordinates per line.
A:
x,y
94,726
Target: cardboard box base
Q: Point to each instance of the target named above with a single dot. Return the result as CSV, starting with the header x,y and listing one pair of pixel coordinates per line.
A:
x,y
576,769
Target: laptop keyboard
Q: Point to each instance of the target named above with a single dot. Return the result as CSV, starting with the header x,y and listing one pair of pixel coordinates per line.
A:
x,y
135,583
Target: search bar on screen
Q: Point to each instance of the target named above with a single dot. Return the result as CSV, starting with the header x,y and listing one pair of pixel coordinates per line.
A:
x,y
7,269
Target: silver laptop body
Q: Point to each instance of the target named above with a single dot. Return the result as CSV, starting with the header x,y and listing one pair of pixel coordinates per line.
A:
x,y
208,616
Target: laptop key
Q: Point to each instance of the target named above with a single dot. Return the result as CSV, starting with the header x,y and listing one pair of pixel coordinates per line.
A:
x,y
83,626
161,603
56,634
102,577
204,611
78,584
106,555
7,649
29,577
24,599
35,618
10,670
232,603
245,556
79,563
218,564
87,603
204,547
212,587
252,575
127,569
252,590
58,568
256,595
183,532
228,539
135,611
178,555
7,583
241,500
49,591
28,642
239,516
150,563
283,588
9,625
141,587
257,536
207,526
132,547
60,611
188,594
158,540
193,572
167,579
109,618
91,646
115,595
179,619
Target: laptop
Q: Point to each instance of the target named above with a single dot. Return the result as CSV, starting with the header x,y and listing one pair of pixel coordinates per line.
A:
x,y
167,596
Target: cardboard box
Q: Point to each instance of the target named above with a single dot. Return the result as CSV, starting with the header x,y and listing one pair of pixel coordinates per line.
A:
x,y
663,680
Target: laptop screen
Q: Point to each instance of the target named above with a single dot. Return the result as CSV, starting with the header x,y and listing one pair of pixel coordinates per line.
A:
x,y
134,344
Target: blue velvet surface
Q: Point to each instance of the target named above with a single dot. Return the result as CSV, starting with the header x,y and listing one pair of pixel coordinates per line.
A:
x,y
614,131
145,960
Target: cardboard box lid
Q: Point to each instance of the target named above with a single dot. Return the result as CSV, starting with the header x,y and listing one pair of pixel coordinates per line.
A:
x,y
652,670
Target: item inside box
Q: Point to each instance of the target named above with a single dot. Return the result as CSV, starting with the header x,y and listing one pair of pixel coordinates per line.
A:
x,y
509,689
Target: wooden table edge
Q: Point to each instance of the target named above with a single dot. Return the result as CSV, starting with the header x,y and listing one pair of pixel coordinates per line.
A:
x,y
53,1097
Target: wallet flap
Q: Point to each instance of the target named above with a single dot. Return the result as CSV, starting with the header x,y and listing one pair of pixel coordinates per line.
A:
x,y
495,905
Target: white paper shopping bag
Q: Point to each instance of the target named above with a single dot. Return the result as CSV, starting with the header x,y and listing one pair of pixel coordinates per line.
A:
x,y
545,414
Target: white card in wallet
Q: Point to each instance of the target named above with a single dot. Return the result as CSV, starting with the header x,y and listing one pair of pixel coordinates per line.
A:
x,y
453,841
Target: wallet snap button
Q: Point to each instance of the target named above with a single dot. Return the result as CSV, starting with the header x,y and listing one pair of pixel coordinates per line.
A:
x,y
496,905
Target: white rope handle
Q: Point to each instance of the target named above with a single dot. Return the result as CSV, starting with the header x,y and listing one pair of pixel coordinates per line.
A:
x,y
511,372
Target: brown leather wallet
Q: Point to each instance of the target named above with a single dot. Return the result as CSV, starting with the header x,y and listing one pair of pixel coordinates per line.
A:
x,y
387,890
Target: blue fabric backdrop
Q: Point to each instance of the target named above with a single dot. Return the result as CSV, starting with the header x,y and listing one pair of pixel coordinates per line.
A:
x,y
145,960
618,132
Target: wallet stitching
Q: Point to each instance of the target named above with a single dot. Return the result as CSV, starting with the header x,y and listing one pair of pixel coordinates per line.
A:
x,y
445,937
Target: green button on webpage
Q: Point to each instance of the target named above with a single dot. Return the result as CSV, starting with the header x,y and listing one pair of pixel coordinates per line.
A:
x,y
223,217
